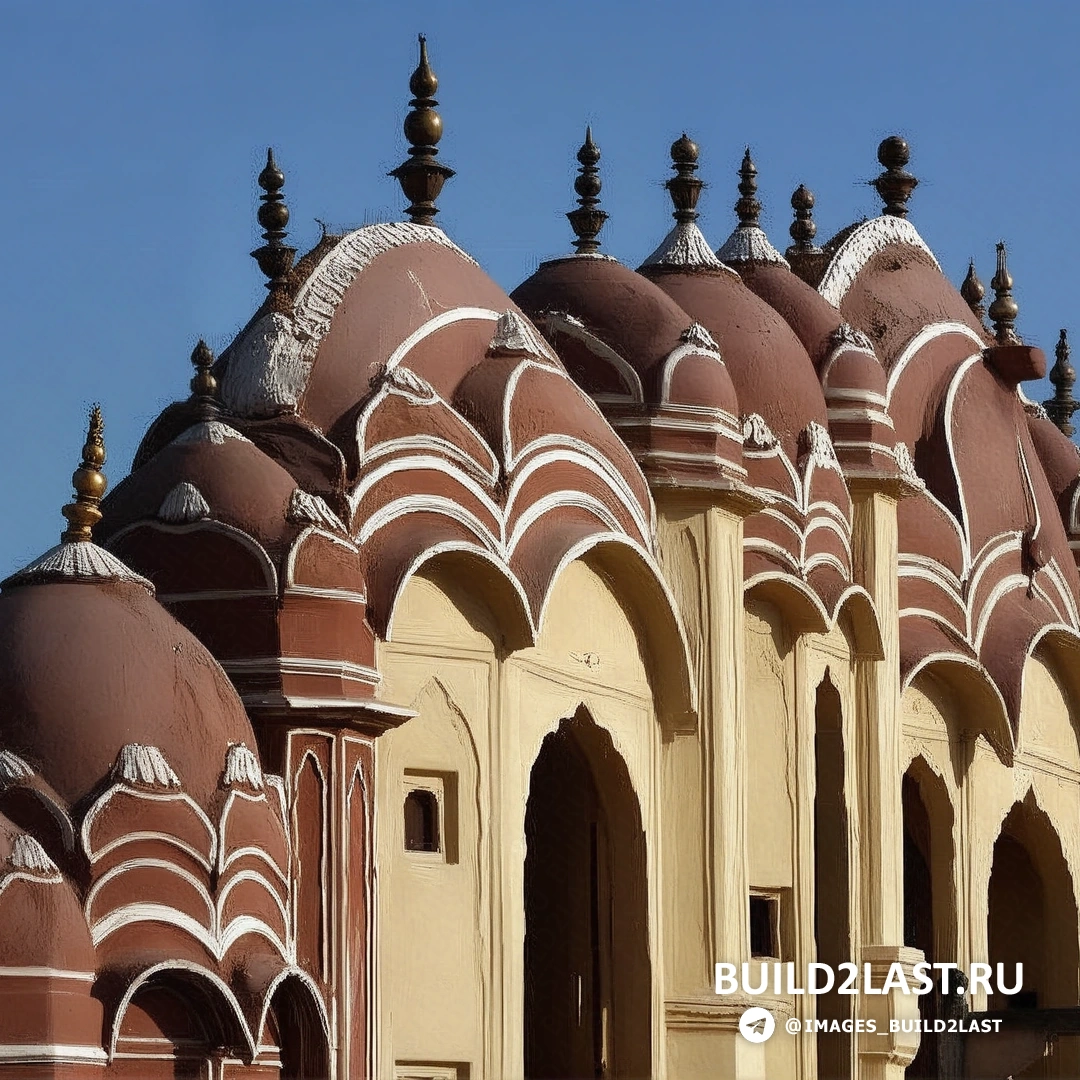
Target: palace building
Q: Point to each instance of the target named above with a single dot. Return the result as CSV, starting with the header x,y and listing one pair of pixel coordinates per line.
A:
x,y
458,677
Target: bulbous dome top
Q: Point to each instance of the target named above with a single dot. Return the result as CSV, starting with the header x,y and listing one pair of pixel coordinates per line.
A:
x,y
93,666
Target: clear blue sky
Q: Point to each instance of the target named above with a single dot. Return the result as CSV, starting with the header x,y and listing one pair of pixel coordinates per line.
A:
x,y
131,135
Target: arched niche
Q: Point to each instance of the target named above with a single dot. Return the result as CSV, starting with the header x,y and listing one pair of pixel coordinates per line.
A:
x,y
587,970
832,872
1050,699
482,591
1032,920
608,619
967,703
930,915
177,1021
436,607
296,1023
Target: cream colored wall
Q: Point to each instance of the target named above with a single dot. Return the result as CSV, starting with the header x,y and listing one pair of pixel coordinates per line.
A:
x,y
452,937
433,932
940,726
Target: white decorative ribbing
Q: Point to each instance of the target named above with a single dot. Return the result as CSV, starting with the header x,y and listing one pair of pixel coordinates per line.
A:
x,y
685,246
817,448
268,365
78,561
756,433
848,337
211,431
27,854
696,334
146,765
405,381
515,336
561,317
308,509
1033,408
861,246
13,768
183,505
242,768
749,244
906,463
319,296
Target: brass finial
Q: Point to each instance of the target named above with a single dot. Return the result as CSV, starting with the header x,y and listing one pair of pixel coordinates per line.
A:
x,y
1003,310
748,208
684,187
806,258
895,184
588,219
275,258
203,384
973,291
1062,405
422,177
803,229
89,483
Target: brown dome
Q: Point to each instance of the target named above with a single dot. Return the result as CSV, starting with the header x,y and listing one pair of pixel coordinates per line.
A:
x,y
770,367
93,666
629,314
804,309
210,471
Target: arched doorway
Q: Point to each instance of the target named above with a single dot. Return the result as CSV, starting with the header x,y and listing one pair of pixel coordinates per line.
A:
x,y
587,970
929,913
1032,920
176,1027
296,1028
832,883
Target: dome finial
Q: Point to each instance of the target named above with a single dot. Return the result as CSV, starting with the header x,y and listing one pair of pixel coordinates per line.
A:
x,y
89,483
895,184
1004,309
973,291
803,228
1063,375
748,208
805,257
588,219
203,384
1062,405
422,177
275,258
684,187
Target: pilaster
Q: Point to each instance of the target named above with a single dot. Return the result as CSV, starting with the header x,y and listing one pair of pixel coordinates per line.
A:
x,y
879,758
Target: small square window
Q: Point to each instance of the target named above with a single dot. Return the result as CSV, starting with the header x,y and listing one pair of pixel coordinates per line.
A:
x,y
429,813
765,925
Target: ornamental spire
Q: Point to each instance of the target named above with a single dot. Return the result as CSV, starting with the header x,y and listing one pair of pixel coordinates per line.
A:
x,y
803,229
748,208
973,291
422,177
805,257
684,187
275,258
1004,309
203,384
1062,405
588,219
895,184
89,483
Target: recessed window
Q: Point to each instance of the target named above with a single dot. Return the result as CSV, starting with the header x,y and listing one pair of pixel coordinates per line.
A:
x,y
422,831
764,925
430,815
